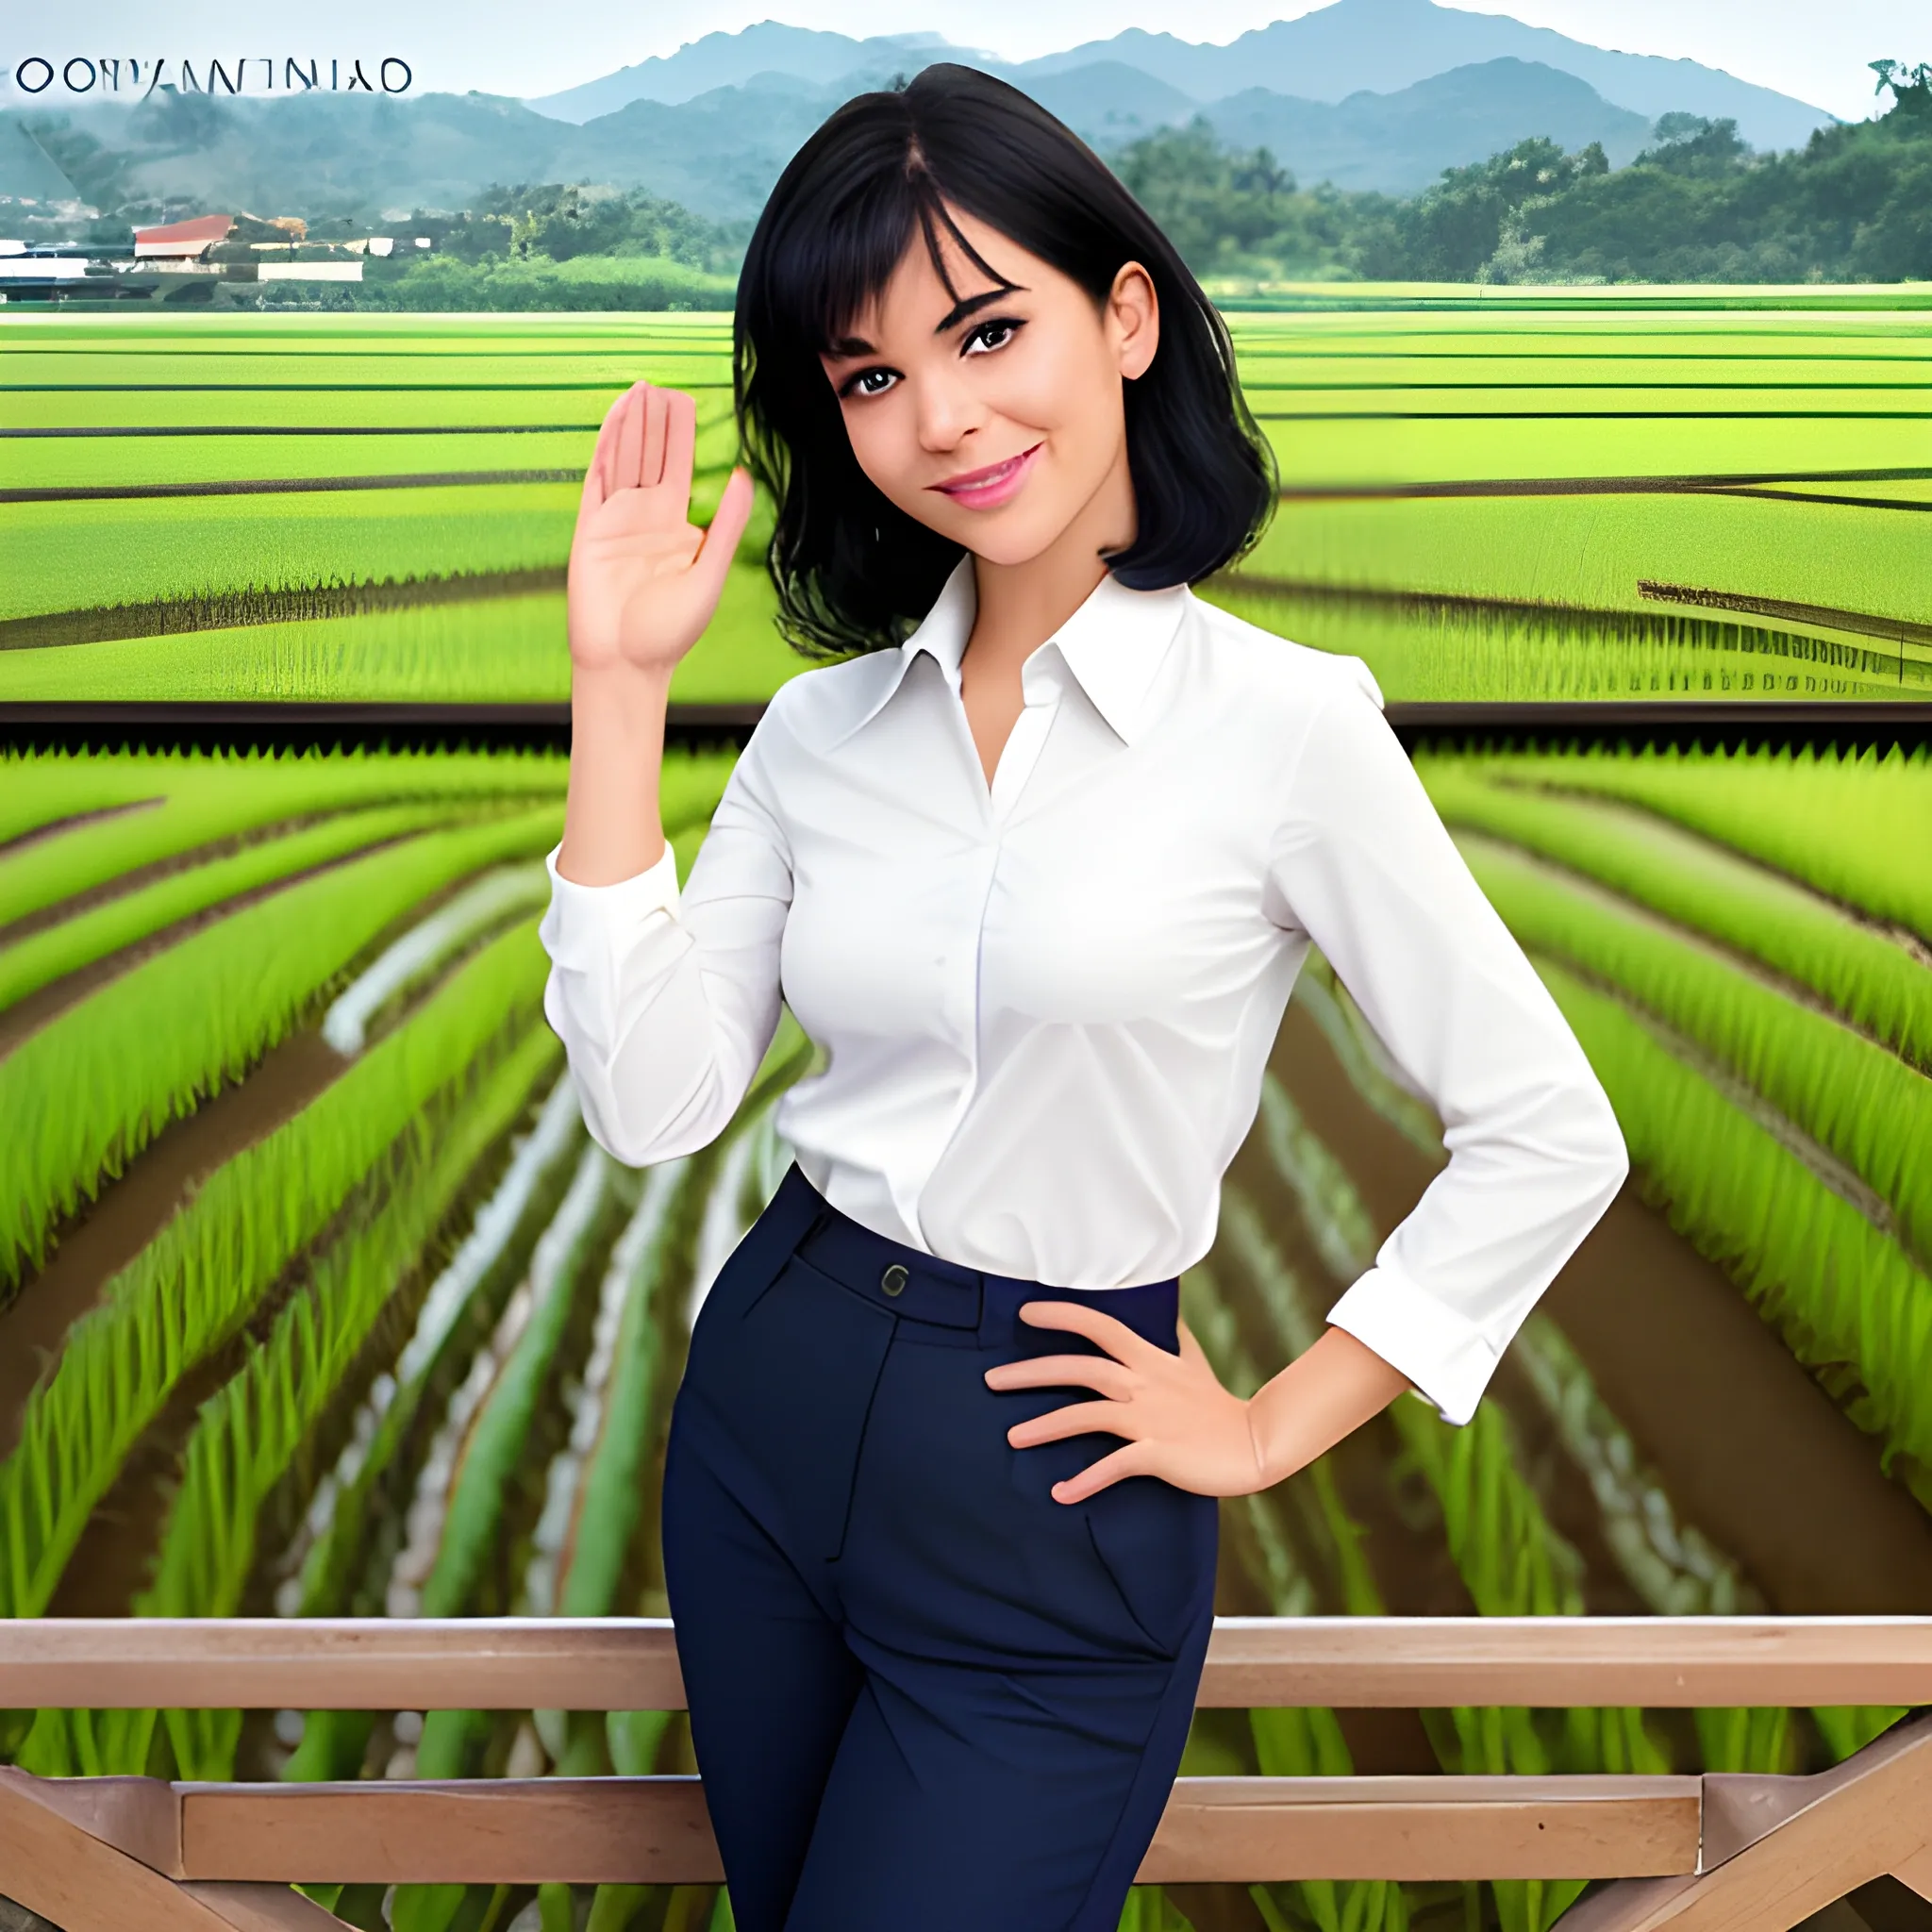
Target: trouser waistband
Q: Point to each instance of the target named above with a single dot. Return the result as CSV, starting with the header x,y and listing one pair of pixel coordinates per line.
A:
x,y
978,1308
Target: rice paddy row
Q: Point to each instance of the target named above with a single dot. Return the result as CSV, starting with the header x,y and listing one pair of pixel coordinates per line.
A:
x,y
1597,501
318,1300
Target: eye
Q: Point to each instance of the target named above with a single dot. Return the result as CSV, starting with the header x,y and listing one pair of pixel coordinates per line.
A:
x,y
868,382
1004,327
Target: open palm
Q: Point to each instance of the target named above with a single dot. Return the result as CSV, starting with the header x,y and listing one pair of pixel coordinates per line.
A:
x,y
643,578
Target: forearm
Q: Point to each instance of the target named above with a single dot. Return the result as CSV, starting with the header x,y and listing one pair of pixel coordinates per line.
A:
x,y
611,824
1325,1393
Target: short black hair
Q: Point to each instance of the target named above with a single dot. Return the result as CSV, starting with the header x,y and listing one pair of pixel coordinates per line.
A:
x,y
852,571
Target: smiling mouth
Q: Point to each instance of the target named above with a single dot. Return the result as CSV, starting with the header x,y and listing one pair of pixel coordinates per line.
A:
x,y
977,483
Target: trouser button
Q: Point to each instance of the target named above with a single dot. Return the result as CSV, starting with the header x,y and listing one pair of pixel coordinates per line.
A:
x,y
894,1279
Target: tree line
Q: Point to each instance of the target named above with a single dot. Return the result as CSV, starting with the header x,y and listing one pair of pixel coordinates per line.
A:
x,y
1855,203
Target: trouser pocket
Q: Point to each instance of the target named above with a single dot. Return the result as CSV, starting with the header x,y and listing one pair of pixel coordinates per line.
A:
x,y
789,1369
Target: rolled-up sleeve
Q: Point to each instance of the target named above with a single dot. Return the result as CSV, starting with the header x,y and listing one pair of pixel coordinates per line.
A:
x,y
1363,864
666,1001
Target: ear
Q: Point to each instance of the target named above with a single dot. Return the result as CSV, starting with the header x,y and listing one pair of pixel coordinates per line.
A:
x,y
1133,318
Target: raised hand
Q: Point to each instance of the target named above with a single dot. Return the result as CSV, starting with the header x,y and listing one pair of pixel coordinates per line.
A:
x,y
643,578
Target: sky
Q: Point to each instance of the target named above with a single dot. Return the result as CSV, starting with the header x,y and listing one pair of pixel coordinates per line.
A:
x,y
1815,52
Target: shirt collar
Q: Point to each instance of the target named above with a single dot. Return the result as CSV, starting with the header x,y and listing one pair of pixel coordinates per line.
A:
x,y
1113,644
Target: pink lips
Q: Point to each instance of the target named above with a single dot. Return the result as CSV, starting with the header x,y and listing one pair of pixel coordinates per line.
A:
x,y
996,484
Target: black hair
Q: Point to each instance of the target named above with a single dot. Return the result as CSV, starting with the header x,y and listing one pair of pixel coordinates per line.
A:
x,y
852,571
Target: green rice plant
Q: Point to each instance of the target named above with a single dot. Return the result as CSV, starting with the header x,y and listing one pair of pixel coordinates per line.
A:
x,y
248,1434
129,462
69,556
1423,648
44,788
496,650
1852,823
421,953
493,1454
1864,973
195,1284
1589,553
1292,1740
1846,1298
489,1469
45,954
190,799
1864,1104
94,1085
1512,1560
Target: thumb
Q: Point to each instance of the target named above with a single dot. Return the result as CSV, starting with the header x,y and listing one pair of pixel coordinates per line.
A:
x,y
726,527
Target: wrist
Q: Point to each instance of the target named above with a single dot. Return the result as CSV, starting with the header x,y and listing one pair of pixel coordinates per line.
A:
x,y
1274,1457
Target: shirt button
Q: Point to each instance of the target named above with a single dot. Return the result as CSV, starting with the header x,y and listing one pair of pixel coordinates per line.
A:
x,y
894,1279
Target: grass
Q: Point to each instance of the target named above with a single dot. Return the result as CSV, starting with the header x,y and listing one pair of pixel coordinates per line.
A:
x,y
251,1431
1839,820
1845,1297
1861,973
88,1091
192,798
1557,385
497,650
190,1290
44,956
329,1569
1851,1095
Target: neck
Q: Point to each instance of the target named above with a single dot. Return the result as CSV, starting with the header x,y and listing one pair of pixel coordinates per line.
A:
x,y
1022,605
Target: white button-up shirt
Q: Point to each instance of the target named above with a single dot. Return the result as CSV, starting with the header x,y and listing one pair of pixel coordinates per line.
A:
x,y
1047,1004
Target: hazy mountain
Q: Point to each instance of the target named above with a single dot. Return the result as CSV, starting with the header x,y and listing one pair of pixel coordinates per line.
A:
x,y
1106,103
719,151
721,59
1400,142
1352,46
27,171
1391,44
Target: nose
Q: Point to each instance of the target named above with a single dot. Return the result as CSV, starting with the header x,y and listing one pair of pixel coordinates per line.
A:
x,y
946,409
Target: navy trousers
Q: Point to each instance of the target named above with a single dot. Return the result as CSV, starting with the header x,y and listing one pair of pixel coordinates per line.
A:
x,y
923,1693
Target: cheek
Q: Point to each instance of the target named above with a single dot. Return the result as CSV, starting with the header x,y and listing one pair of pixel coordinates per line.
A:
x,y
884,447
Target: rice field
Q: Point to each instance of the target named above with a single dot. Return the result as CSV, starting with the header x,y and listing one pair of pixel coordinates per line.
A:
x,y
1587,496
316,1298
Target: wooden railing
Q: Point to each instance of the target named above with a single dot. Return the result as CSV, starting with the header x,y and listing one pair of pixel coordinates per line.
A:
x,y
1724,1852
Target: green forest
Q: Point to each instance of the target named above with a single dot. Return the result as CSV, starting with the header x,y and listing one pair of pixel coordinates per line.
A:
x,y
1697,205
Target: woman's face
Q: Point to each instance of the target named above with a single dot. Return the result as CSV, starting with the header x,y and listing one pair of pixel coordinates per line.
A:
x,y
998,420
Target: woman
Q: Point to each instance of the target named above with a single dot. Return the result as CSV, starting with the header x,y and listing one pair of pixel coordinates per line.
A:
x,y
1037,863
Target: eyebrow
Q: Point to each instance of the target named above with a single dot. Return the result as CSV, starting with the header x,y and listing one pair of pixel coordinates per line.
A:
x,y
846,347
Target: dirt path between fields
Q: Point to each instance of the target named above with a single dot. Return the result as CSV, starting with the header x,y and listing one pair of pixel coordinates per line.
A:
x,y
109,1232
1752,1451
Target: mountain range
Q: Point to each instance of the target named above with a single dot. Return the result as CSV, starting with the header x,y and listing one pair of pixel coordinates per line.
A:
x,y
712,124
1350,47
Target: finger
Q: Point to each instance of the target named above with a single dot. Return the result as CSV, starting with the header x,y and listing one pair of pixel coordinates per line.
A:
x,y
726,527
680,440
630,440
1133,1459
1076,1419
596,474
651,462
1110,1332
1065,1371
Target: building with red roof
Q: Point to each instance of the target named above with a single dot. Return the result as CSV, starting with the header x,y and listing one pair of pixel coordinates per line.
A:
x,y
182,240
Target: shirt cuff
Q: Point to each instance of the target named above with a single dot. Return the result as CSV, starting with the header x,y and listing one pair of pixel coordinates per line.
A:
x,y
583,922
1442,1355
